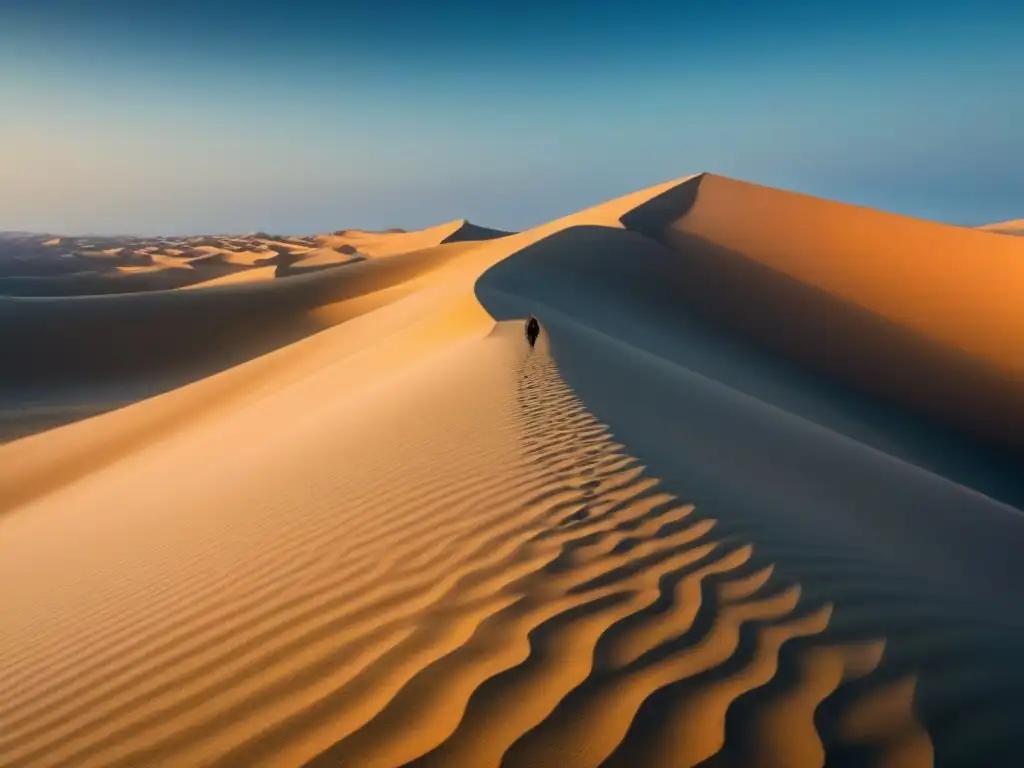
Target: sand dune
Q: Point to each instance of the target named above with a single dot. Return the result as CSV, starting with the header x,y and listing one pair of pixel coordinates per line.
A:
x,y
371,244
394,533
883,301
86,352
1015,227
71,358
42,265
320,258
257,274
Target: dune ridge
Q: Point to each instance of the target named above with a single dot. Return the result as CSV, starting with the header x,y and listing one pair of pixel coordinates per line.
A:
x,y
44,266
1014,227
880,300
400,535
376,244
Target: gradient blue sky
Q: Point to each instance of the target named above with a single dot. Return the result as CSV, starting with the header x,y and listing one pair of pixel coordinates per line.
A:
x,y
173,116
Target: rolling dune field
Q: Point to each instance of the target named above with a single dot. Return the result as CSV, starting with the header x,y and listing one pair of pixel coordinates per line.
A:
x,y
752,499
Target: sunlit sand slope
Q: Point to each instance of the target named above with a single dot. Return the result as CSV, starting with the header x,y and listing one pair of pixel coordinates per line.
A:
x,y
501,579
361,243
65,354
922,313
319,258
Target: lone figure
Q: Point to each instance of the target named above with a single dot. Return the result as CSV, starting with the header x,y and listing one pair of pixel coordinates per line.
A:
x,y
532,330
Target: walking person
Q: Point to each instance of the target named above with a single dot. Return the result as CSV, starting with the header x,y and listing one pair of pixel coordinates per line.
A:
x,y
532,330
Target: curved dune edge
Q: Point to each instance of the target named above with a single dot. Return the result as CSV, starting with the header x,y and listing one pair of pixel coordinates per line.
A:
x,y
1014,227
528,631
320,258
963,294
880,301
77,339
37,465
254,275
378,244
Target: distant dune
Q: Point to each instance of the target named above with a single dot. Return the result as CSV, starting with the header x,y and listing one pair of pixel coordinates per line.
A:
x,y
371,244
234,278
319,258
1015,227
44,265
753,498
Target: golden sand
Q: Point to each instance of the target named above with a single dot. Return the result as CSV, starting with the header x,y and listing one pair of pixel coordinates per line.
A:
x,y
405,536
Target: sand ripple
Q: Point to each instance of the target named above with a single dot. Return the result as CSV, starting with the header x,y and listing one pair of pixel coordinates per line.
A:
x,y
527,597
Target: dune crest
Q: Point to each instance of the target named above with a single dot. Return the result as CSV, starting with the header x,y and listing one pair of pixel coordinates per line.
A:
x,y
390,242
1014,227
880,300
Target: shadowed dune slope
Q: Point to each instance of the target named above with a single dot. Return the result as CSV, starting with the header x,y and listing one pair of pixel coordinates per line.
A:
x,y
65,358
37,265
44,266
143,279
412,539
319,258
105,335
926,314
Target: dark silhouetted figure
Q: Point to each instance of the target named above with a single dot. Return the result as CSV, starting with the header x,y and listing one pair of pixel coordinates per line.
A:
x,y
532,330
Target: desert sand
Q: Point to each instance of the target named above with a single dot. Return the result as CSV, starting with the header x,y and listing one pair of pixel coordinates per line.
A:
x,y
1014,227
752,499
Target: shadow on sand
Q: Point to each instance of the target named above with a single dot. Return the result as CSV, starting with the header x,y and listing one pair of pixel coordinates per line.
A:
x,y
909,525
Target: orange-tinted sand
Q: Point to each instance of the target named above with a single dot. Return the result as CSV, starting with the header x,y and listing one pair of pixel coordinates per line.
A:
x,y
723,514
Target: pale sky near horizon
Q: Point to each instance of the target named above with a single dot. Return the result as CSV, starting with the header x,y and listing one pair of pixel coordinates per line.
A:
x,y
223,116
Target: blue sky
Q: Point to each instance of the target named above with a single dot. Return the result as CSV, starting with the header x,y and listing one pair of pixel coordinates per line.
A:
x,y
218,116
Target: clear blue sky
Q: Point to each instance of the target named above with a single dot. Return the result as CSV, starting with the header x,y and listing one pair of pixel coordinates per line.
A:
x,y
174,116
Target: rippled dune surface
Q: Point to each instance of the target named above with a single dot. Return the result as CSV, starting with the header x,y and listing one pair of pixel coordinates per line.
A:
x,y
407,537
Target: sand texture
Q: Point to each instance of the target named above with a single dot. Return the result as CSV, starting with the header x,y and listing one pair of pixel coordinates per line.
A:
x,y
752,499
